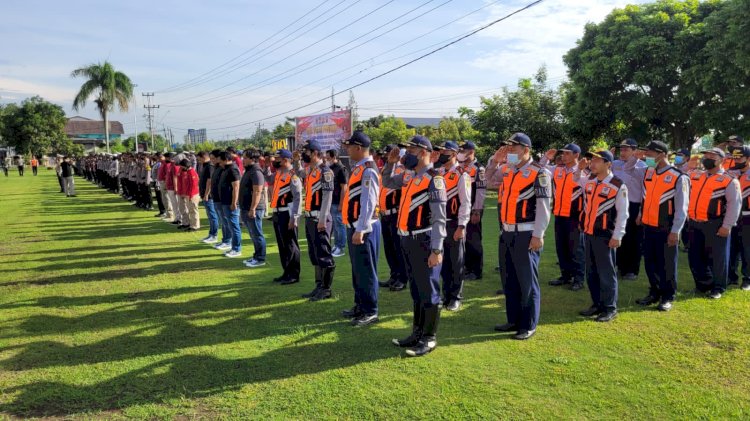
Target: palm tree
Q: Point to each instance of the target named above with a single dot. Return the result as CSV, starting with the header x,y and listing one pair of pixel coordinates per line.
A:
x,y
110,87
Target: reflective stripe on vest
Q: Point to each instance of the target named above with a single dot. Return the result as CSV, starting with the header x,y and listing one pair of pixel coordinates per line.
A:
x,y
452,178
516,196
658,202
390,198
282,190
414,213
568,195
599,207
707,199
313,190
352,196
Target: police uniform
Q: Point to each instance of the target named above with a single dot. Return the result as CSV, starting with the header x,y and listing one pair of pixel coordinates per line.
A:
x,y
422,229
390,200
567,207
604,217
714,203
318,198
524,209
664,212
629,255
285,205
360,215
739,247
474,251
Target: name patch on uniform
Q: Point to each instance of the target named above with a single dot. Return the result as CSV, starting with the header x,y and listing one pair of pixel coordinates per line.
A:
x,y
328,177
605,190
439,183
543,180
668,179
526,174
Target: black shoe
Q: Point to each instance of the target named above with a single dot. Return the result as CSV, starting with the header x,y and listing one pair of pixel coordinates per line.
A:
x,y
385,284
577,286
508,327
471,277
559,281
352,313
159,215
454,305
289,281
175,222
311,293
191,229
500,292
714,295
409,341
591,311
398,286
745,286
322,294
607,316
364,320
183,227
665,306
423,347
522,335
647,300
279,279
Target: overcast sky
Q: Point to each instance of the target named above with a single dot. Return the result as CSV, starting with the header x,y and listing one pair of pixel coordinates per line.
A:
x,y
223,65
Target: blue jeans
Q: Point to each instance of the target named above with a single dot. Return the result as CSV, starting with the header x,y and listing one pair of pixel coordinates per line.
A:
x,y
226,236
232,221
339,230
213,218
255,228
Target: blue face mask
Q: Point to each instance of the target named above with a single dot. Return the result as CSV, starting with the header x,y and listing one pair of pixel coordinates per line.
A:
x,y
679,160
512,158
650,162
410,161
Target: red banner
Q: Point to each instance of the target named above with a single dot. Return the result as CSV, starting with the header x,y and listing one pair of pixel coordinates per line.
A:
x,y
329,129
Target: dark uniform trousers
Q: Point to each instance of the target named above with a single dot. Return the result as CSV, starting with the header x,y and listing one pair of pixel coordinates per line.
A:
x,y
319,250
601,274
519,269
452,271
474,254
569,247
364,258
288,246
629,255
739,251
708,256
424,282
660,262
392,247
157,194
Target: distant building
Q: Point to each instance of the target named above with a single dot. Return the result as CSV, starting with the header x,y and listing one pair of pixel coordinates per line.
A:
x,y
90,133
414,122
195,136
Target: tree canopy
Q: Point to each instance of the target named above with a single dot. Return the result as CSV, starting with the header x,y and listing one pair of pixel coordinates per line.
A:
x,y
35,126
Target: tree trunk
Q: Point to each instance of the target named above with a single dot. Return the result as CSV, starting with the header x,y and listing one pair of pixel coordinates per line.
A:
x,y
106,128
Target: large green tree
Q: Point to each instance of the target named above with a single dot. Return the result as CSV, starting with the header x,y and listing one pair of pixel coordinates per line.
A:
x,y
386,130
36,126
635,72
109,87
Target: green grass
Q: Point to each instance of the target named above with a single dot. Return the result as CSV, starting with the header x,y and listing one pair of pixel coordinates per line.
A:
x,y
106,312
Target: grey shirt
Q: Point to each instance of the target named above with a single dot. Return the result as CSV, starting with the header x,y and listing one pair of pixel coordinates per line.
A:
x,y
631,173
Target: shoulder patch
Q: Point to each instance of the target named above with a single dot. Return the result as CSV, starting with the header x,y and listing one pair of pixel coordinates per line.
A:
x,y
615,182
439,182
370,164
543,179
328,176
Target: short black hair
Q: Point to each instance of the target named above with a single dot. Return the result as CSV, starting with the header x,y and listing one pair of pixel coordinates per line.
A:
x,y
253,154
231,149
332,153
215,153
202,154
185,163
224,156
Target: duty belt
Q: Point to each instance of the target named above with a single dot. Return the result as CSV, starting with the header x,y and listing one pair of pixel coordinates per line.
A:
x,y
527,226
351,225
285,209
415,232
389,212
312,214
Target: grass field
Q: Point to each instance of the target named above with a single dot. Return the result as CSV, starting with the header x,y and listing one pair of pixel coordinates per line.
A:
x,y
107,312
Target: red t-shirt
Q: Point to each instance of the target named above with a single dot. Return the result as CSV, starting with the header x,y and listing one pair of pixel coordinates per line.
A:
x,y
161,171
178,173
190,181
238,162
168,173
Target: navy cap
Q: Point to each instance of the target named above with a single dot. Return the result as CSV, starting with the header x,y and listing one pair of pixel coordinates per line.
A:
x,y
571,147
740,151
313,145
605,155
519,139
358,138
389,148
468,146
716,151
629,143
448,146
284,153
420,142
683,152
657,146
735,138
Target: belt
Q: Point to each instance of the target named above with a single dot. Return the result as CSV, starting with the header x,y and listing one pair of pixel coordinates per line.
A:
x,y
389,212
745,213
351,225
527,226
415,232
277,210
312,214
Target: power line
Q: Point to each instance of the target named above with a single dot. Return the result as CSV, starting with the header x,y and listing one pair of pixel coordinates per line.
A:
x,y
471,33
150,116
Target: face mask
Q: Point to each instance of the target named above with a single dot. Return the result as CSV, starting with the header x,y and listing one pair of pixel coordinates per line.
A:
x,y
679,160
650,162
739,165
410,161
306,158
442,159
512,158
708,164
276,164
461,157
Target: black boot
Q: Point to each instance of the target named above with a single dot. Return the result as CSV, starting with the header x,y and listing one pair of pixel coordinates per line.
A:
x,y
318,283
326,281
428,341
416,333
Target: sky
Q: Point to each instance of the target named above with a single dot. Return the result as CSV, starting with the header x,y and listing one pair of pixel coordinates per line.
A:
x,y
231,65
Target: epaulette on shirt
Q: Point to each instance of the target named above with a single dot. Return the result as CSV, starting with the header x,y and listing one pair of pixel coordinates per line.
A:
x,y
371,164
437,193
615,182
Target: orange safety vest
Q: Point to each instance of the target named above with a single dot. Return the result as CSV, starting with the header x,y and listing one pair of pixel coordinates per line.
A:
x,y
568,195
728,163
34,163
391,198
707,199
352,196
744,180
282,190
415,215
599,212
472,170
313,192
452,178
516,198
658,202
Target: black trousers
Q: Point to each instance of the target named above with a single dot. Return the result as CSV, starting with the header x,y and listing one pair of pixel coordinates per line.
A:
x,y
660,262
739,251
60,180
629,253
159,203
34,169
288,246
569,248
20,170
424,281
452,271
708,256
474,252
394,255
601,275
318,244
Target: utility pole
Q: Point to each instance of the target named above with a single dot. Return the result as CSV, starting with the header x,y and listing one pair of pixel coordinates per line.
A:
x,y
135,120
150,107
333,104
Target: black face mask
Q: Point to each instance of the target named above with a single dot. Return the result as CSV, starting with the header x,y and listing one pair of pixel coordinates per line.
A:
x,y
708,164
443,159
277,164
306,158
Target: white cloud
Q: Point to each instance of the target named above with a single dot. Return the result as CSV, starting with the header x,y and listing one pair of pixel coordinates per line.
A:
x,y
16,89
